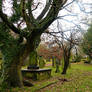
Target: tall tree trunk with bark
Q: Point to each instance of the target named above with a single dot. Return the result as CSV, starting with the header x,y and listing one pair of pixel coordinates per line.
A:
x,y
66,64
14,55
11,75
67,54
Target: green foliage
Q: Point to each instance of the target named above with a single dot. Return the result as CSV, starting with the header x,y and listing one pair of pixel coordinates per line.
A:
x,y
17,13
10,49
43,76
4,34
9,46
0,55
57,65
0,60
87,60
77,58
87,42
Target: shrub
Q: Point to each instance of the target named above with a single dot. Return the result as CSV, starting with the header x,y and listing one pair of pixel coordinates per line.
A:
x,y
77,58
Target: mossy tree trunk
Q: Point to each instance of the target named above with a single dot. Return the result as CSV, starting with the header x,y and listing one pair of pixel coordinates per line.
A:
x,y
33,61
11,66
14,55
57,65
11,75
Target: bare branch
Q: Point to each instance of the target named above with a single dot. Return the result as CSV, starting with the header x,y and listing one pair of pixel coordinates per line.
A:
x,y
67,4
5,19
29,22
53,11
36,7
47,6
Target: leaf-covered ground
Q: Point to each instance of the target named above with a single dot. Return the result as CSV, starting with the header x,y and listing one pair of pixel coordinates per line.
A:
x,y
77,79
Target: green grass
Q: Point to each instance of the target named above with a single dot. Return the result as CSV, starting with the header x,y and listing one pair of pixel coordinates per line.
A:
x,y
79,78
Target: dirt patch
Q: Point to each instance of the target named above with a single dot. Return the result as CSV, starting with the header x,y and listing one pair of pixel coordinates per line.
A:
x,y
60,81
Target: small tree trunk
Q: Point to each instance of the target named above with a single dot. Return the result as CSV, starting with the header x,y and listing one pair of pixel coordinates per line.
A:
x,y
57,69
11,75
66,64
53,62
57,66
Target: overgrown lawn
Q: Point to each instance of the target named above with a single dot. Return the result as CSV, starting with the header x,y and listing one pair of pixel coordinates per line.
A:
x,y
78,79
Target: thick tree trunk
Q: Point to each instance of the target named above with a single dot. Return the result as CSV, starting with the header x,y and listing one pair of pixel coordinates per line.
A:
x,y
11,75
13,60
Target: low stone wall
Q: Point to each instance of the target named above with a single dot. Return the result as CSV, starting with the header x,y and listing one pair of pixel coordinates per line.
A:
x,y
37,74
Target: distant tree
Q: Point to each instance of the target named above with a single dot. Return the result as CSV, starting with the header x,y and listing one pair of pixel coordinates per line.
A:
x,y
87,43
67,47
43,51
66,43
57,62
50,53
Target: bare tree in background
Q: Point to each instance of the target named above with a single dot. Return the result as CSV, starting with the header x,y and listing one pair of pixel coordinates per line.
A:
x,y
66,41
67,47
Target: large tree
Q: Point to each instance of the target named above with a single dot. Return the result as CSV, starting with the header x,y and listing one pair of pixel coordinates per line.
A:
x,y
15,42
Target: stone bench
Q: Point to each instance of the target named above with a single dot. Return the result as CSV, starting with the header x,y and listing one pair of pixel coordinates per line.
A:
x,y
37,74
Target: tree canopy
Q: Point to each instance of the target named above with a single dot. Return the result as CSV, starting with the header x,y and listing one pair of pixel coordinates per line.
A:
x,y
87,42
